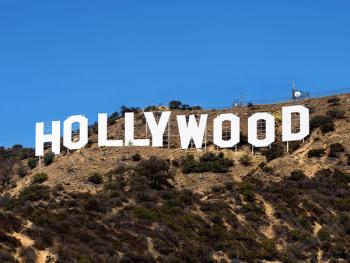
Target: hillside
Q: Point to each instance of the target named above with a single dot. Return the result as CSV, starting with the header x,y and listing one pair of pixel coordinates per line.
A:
x,y
136,204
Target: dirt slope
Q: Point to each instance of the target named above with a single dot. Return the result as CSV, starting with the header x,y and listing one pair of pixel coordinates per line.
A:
x,y
256,199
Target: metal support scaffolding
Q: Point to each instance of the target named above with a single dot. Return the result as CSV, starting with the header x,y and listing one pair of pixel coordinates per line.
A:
x,y
47,145
226,131
295,120
75,133
166,135
261,131
192,144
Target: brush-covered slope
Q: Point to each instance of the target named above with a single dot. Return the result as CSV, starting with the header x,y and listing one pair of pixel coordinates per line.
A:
x,y
168,205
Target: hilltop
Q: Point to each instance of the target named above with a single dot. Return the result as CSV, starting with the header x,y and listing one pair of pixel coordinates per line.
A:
x,y
137,204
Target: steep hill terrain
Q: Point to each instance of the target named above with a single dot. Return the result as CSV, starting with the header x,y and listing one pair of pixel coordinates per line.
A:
x,y
137,204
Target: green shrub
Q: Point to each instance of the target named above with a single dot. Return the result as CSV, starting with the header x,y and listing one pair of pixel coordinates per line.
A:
x,y
93,203
217,188
178,105
144,213
21,170
39,178
268,169
348,159
157,171
297,175
229,185
245,160
335,114
5,256
335,149
325,123
333,101
196,107
49,157
175,104
28,254
250,105
9,222
95,178
208,162
343,204
136,157
294,234
323,235
124,109
175,163
34,192
274,152
84,259
294,145
112,118
340,177
150,108
270,246
248,191
32,163
316,153
58,187
188,164
323,173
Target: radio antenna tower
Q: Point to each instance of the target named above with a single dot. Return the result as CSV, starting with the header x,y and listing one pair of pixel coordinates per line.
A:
x,y
239,102
298,94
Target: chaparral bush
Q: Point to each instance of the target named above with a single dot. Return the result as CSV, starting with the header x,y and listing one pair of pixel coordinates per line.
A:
x,y
49,157
34,193
39,178
245,160
316,152
175,104
21,170
157,171
32,163
335,114
297,175
294,145
335,149
274,152
333,101
208,162
325,123
95,178
136,157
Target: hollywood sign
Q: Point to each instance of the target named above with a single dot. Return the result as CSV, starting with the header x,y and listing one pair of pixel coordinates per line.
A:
x,y
189,129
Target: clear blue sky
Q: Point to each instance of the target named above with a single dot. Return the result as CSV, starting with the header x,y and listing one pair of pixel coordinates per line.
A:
x,y
59,58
